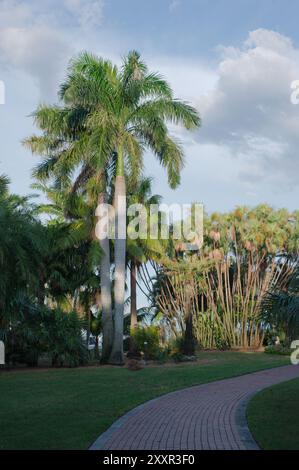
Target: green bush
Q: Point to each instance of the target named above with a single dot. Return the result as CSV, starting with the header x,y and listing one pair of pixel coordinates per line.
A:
x,y
64,339
147,341
176,345
162,355
271,335
153,349
278,349
176,349
177,356
39,331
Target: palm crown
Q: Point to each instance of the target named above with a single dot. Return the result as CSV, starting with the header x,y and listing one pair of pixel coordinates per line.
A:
x,y
107,111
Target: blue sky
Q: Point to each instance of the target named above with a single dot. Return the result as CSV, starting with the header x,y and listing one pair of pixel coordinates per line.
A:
x,y
194,27
232,59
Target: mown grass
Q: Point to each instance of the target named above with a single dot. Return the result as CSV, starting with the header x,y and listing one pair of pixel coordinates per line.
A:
x,y
69,408
273,416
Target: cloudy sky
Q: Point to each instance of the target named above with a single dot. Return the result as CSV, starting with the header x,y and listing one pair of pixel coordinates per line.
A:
x,y
234,60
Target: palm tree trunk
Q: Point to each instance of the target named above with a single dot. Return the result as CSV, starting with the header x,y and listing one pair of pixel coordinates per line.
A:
x,y
133,294
106,301
97,347
133,316
189,342
88,328
116,356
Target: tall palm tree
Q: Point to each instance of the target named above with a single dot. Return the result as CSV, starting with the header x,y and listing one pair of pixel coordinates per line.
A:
x,y
68,148
139,251
112,113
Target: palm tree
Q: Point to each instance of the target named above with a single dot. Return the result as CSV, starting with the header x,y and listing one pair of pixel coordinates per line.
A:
x,y
73,215
139,251
67,147
21,247
110,113
137,113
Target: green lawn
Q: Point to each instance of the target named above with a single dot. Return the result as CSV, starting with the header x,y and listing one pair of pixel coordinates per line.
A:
x,y
273,416
69,408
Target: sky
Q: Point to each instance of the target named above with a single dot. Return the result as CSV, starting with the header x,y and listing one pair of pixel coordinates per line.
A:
x,y
234,60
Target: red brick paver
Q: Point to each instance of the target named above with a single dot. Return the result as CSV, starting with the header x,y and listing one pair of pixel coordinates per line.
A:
x,y
208,416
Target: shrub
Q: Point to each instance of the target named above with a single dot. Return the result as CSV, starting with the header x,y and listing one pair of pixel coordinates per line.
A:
x,y
177,356
162,355
65,344
271,336
278,349
176,345
176,349
40,330
147,340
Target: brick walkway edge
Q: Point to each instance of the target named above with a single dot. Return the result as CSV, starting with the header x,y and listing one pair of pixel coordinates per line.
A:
x,y
204,417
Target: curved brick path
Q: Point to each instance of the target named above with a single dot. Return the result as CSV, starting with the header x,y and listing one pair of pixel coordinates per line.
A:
x,y
208,416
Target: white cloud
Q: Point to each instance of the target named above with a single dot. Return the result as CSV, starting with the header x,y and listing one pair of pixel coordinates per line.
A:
x,y
39,51
31,42
270,40
249,109
89,13
39,38
13,12
247,148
